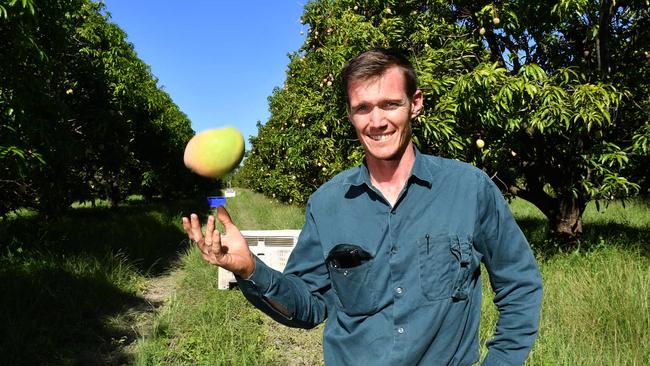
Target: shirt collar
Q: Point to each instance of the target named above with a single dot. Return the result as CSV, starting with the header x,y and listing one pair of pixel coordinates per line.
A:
x,y
419,173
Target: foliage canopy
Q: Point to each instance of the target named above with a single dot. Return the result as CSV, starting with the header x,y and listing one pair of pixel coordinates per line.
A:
x,y
557,91
82,117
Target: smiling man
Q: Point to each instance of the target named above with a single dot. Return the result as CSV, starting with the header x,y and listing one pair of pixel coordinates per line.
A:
x,y
390,252
381,109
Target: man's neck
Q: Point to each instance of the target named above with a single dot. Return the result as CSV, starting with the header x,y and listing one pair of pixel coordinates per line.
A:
x,y
389,176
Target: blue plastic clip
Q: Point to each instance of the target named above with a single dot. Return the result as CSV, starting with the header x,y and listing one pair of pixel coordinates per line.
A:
x,y
216,201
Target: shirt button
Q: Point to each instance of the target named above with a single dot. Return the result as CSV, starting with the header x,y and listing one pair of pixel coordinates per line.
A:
x,y
399,290
400,330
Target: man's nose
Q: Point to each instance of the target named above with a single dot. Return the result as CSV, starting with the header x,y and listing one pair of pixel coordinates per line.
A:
x,y
377,118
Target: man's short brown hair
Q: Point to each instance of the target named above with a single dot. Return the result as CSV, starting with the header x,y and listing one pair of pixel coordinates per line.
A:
x,y
374,63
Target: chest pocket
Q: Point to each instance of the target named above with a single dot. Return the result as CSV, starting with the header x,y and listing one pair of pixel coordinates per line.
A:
x,y
355,287
446,263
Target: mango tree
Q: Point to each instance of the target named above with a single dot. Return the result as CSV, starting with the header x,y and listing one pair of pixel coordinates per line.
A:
x,y
81,116
558,100
551,89
308,137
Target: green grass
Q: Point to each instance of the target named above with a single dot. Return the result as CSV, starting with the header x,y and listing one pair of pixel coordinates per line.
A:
x,y
253,211
68,284
69,287
204,326
595,310
624,226
596,307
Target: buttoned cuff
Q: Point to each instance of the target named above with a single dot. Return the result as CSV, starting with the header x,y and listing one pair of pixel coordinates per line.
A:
x,y
259,282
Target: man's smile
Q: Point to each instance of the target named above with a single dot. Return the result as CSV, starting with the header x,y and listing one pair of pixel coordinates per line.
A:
x,y
381,137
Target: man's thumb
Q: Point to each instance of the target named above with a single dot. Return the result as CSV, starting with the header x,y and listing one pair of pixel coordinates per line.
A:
x,y
224,218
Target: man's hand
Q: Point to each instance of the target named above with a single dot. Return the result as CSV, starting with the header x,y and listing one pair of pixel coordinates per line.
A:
x,y
229,251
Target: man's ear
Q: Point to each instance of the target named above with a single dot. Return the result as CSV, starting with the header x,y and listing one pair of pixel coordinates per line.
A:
x,y
417,103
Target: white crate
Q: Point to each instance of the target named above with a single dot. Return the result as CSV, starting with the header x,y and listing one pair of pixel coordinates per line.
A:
x,y
273,247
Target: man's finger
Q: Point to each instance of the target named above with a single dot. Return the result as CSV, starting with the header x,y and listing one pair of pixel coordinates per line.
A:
x,y
217,249
197,235
224,218
209,229
187,227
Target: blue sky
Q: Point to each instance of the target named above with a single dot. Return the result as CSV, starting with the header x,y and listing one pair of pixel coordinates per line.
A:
x,y
218,59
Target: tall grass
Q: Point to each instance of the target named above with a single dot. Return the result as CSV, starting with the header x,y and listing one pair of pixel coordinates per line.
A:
x,y
67,284
595,309
204,326
253,211
68,287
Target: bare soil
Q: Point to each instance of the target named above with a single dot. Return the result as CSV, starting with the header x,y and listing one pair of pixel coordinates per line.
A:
x,y
132,324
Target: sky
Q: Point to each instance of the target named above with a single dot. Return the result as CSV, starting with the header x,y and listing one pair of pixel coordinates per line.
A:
x,y
219,60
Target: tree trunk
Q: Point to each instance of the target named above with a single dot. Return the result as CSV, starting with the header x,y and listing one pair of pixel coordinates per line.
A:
x,y
566,219
111,202
602,42
113,195
563,212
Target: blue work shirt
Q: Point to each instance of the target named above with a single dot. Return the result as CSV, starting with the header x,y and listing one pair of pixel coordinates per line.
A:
x,y
417,298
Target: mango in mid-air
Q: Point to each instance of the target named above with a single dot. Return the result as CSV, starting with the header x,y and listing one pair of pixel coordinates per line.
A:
x,y
214,153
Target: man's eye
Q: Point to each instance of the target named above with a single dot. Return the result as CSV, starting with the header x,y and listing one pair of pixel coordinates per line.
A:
x,y
361,109
392,105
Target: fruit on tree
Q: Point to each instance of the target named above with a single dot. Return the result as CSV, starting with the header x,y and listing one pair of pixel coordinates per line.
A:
x,y
481,31
496,20
214,153
480,143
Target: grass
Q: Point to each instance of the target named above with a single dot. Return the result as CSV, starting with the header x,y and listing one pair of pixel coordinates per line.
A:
x,y
253,211
70,286
204,326
596,307
595,310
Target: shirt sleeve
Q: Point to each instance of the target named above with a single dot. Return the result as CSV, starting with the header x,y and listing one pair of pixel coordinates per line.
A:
x,y
514,277
303,289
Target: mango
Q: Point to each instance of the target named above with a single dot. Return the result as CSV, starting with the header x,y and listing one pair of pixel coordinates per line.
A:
x,y
214,153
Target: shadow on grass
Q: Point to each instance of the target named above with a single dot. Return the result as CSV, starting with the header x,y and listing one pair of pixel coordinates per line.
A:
x,y
68,284
149,235
51,317
544,243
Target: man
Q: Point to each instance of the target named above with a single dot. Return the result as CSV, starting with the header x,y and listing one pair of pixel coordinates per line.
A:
x,y
390,252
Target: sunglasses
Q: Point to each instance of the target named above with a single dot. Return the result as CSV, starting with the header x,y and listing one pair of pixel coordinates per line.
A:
x,y
347,256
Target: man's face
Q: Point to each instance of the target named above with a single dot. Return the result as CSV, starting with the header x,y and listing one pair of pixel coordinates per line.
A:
x,y
381,113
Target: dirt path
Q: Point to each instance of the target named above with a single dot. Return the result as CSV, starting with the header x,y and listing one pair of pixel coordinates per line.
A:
x,y
134,323
159,289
